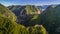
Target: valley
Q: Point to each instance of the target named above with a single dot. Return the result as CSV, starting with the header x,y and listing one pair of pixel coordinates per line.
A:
x,y
29,19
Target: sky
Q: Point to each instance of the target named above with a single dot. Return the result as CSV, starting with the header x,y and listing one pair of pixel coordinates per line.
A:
x,y
29,2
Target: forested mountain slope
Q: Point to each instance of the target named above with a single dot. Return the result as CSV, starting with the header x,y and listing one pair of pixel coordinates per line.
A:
x,y
51,19
5,11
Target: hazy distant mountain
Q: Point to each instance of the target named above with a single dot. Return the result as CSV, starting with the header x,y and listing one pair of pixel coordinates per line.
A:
x,y
43,7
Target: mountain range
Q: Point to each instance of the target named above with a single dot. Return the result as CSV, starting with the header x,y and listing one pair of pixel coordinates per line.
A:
x,y
9,20
24,13
49,17
19,19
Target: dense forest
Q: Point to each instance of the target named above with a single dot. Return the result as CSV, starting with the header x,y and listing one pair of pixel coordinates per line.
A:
x,y
29,19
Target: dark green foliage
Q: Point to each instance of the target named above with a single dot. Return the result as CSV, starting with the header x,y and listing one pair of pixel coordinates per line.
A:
x,y
33,19
51,19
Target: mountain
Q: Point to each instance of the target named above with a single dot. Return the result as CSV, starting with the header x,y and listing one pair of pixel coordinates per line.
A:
x,y
7,22
22,8
6,12
9,26
43,7
51,19
31,15
26,14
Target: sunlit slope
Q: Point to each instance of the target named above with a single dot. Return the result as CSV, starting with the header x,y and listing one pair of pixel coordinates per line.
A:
x,y
5,11
7,26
